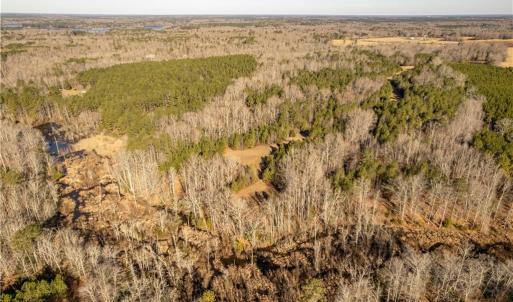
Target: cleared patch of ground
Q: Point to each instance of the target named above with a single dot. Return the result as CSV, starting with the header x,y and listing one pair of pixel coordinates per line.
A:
x,y
249,157
91,199
102,144
71,92
252,157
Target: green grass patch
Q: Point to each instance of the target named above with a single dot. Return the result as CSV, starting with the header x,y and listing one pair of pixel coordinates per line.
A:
x,y
208,296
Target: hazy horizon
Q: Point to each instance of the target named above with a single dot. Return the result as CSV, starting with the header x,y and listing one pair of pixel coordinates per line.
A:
x,y
254,15
263,7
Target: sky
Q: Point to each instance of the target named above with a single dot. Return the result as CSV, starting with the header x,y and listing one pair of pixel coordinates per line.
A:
x,y
257,7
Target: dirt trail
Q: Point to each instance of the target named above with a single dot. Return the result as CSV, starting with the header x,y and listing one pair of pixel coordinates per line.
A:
x,y
403,69
397,94
258,187
72,92
249,157
252,157
87,187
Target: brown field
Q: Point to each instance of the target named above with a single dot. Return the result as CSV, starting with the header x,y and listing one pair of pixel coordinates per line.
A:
x,y
413,40
427,41
509,59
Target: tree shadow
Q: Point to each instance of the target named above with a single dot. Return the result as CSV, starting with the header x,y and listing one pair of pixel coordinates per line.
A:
x,y
75,196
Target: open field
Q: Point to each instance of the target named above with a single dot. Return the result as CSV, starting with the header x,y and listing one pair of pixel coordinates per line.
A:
x,y
415,40
379,41
509,59
180,158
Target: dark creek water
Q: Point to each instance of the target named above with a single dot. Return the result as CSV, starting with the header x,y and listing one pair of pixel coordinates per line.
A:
x,y
57,144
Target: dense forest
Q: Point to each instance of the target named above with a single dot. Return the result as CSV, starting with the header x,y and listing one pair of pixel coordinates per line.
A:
x,y
424,95
125,94
496,84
